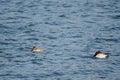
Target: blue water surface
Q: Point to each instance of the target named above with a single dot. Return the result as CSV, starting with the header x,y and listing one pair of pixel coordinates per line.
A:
x,y
70,32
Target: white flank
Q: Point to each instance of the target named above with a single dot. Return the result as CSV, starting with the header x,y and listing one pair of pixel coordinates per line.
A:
x,y
101,55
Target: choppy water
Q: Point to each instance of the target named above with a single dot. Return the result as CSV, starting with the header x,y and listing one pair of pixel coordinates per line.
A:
x,y
70,31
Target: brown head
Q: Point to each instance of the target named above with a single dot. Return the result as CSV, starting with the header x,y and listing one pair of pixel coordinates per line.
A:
x,y
33,48
97,52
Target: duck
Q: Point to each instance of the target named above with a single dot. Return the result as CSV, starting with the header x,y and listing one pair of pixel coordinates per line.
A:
x,y
35,49
99,54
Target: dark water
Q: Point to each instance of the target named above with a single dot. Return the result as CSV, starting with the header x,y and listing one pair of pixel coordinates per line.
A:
x,y
70,31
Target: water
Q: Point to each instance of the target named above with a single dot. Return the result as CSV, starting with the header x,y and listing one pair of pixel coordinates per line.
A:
x,y
70,31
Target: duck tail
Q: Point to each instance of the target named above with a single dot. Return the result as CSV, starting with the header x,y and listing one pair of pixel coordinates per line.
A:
x,y
107,56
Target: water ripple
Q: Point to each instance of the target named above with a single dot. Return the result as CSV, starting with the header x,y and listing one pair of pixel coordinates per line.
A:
x,y
70,32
